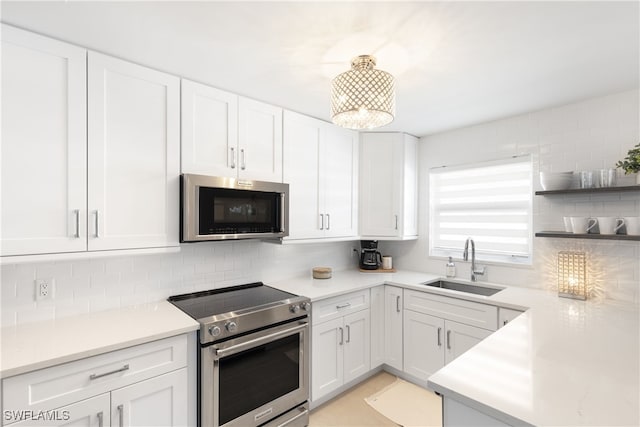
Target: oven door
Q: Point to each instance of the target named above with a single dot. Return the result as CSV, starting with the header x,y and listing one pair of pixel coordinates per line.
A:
x,y
250,380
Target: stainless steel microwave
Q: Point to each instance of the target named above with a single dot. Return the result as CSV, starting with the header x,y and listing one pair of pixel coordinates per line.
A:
x,y
217,208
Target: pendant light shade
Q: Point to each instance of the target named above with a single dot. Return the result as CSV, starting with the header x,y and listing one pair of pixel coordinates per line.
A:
x,y
363,98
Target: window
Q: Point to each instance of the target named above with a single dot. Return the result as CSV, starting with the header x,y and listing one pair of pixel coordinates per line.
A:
x,y
489,202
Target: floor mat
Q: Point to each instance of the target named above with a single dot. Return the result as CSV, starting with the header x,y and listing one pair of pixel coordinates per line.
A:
x,y
408,405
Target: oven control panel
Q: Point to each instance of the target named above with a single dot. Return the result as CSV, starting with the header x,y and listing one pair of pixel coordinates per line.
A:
x,y
225,326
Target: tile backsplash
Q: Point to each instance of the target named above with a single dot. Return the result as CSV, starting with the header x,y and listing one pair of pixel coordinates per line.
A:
x,y
89,285
587,135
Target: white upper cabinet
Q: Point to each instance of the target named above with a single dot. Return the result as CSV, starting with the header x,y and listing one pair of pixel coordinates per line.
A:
x,y
231,136
388,186
321,168
43,145
209,130
133,155
259,154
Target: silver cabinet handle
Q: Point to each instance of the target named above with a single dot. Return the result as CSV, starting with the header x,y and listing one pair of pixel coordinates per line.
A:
x,y
505,322
243,164
348,304
321,221
398,304
328,222
396,221
439,337
76,213
449,339
233,157
97,224
348,333
121,415
96,376
100,419
341,336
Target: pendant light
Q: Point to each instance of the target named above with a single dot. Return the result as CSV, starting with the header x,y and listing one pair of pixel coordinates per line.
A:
x,y
363,97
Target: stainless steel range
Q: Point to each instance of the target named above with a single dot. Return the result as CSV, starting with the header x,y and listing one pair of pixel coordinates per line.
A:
x,y
253,367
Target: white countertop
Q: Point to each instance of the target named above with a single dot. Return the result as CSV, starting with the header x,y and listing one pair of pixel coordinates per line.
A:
x,y
39,345
563,362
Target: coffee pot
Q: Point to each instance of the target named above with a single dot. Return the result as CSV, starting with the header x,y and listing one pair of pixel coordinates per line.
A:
x,y
370,258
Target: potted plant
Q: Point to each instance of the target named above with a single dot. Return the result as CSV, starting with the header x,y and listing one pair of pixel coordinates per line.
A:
x,y
631,163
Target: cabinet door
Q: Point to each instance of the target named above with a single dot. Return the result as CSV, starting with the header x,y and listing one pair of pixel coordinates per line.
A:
x,y
377,326
259,141
423,344
357,350
93,412
393,326
409,218
43,145
506,315
380,184
134,146
301,169
339,183
209,130
461,338
159,401
327,344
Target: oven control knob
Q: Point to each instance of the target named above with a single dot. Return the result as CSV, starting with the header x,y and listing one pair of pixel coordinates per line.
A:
x,y
294,308
306,306
231,326
215,330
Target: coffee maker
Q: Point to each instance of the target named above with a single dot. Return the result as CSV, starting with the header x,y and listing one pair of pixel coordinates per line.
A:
x,y
370,258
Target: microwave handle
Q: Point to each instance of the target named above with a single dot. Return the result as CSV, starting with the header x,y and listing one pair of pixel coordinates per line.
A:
x,y
282,213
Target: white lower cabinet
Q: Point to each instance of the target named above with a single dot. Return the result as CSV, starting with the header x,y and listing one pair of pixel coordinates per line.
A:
x,y
145,385
506,315
340,346
159,401
393,302
94,412
430,342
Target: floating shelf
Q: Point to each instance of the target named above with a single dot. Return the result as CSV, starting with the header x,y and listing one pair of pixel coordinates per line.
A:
x,y
566,235
590,190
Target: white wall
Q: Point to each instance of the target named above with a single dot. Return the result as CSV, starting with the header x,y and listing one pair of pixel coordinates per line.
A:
x,y
583,136
97,284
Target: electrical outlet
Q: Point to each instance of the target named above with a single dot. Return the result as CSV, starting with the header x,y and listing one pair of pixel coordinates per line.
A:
x,y
44,289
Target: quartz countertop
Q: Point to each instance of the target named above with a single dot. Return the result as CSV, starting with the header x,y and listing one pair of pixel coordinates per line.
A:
x,y
39,345
563,362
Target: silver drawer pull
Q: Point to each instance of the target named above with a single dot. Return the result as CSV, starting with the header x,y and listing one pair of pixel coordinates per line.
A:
x,y
439,339
343,305
100,419
96,376
294,419
449,339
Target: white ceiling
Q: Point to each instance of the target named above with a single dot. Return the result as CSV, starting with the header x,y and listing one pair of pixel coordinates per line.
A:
x,y
456,63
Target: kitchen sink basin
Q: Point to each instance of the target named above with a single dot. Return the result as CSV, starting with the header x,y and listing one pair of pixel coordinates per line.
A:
x,y
464,287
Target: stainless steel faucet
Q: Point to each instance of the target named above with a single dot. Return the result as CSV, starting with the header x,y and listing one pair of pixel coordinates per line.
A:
x,y
465,256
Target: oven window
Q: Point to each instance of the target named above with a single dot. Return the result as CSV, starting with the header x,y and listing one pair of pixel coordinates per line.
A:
x,y
230,211
257,376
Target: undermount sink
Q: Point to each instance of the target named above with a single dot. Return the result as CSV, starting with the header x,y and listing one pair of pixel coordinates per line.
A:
x,y
463,287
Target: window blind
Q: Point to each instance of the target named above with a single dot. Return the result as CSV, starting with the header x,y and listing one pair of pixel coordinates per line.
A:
x,y
489,202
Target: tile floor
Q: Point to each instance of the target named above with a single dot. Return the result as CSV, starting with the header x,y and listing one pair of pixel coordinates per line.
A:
x,y
350,410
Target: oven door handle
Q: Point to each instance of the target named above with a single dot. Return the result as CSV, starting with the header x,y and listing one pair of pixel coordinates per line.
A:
x,y
222,352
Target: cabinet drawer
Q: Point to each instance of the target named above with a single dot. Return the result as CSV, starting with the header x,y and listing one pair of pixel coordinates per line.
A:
x,y
332,308
64,384
467,312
